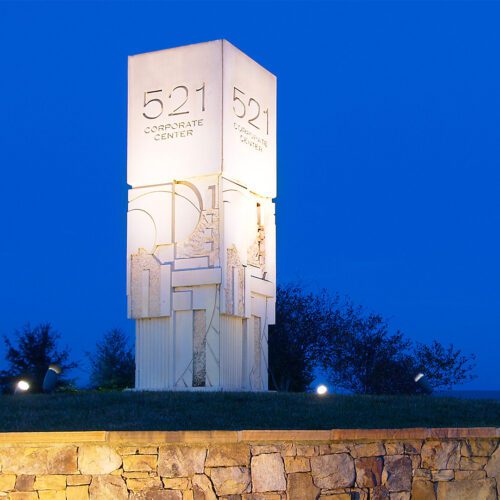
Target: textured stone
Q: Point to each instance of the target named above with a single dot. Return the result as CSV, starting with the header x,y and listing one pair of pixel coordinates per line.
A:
x,y
176,483
156,495
336,496
473,463
479,447
48,460
423,473
228,455
135,475
467,490
492,468
329,449
422,490
394,448
259,449
461,475
98,459
148,450
307,451
380,493
333,471
397,473
300,486
412,447
443,475
54,482
77,492
25,482
369,471
23,495
144,483
78,480
108,488
52,495
297,464
416,461
438,455
126,450
7,482
400,495
232,480
187,495
181,461
268,473
140,463
367,450
202,488
262,496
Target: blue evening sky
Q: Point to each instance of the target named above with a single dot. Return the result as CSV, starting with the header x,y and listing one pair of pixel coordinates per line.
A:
x,y
388,157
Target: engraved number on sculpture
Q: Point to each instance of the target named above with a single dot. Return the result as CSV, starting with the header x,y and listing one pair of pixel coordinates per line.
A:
x,y
240,109
179,96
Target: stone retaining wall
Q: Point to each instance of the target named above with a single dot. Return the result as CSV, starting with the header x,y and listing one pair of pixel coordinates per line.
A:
x,y
418,464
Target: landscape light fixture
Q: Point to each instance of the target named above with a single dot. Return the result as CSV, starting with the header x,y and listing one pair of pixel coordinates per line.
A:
x,y
422,383
50,379
22,386
321,390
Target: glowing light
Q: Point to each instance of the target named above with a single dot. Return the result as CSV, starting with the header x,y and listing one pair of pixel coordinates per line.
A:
x,y
23,386
321,390
418,377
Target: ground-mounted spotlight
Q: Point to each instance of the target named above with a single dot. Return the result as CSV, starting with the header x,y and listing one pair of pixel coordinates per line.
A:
x,y
22,386
321,390
422,383
50,380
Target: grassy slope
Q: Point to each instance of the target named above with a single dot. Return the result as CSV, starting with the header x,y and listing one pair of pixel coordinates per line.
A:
x,y
198,411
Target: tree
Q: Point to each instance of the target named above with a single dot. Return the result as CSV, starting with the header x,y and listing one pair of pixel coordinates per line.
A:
x,y
112,363
31,353
356,349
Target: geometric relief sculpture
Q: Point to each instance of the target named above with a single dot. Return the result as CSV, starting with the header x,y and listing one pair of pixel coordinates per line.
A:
x,y
201,238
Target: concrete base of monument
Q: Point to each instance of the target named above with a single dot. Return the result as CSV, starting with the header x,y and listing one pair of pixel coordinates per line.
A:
x,y
201,389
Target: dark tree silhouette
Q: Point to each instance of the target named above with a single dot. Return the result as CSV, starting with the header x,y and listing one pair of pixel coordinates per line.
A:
x,y
31,352
356,349
112,363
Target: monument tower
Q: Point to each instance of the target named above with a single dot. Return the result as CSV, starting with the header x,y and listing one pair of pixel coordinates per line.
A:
x,y
201,237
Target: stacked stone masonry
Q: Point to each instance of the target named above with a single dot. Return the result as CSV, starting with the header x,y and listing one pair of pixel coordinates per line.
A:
x,y
411,464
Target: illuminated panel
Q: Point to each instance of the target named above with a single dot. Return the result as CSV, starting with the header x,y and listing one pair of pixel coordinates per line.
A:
x,y
174,114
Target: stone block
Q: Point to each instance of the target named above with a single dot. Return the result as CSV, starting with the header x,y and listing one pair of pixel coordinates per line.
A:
x,y
78,480
156,495
422,490
39,460
135,475
443,475
463,475
259,449
126,450
400,495
52,495
307,451
492,468
7,482
25,482
473,463
145,483
140,463
394,448
378,493
479,447
77,492
483,489
202,488
369,471
54,482
176,483
148,450
181,461
187,495
367,450
300,486
98,459
268,473
228,455
412,447
422,473
336,496
23,495
231,480
438,455
397,474
333,471
108,488
297,464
